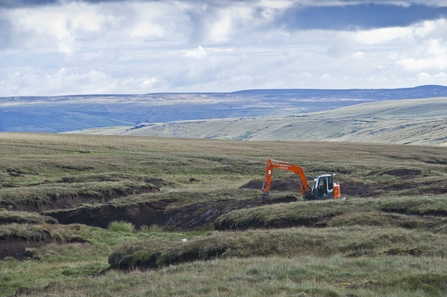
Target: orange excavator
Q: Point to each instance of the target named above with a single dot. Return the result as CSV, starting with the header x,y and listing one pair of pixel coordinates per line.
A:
x,y
323,188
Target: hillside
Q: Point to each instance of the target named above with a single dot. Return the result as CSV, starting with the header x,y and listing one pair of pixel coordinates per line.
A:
x,y
78,112
94,215
417,121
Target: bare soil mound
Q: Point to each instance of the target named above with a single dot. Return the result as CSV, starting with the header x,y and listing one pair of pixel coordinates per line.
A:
x,y
357,189
404,173
17,247
144,213
277,185
157,213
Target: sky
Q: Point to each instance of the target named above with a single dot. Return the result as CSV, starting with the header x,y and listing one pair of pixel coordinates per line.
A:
x,y
67,47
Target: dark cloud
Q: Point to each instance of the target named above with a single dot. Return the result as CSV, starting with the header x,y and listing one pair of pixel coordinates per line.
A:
x,y
21,3
5,29
363,16
31,3
27,3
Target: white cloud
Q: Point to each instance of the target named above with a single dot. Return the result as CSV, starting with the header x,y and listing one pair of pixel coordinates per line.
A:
x,y
436,47
277,4
424,76
439,62
325,76
197,53
359,55
152,46
148,30
28,81
383,35
225,23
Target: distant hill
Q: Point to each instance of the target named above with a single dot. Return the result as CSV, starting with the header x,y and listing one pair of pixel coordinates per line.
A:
x,y
427,91
78,112
417,121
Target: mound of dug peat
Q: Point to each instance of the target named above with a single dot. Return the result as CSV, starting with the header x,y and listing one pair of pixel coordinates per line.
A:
x,y
187,217
17,247
16,239
285,242
100,215
20,240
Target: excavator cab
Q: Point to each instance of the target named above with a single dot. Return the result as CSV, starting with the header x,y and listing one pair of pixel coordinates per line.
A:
x,y
323,188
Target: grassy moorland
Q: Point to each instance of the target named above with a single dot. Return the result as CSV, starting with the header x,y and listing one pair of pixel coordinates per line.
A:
x,y
85,215
416,121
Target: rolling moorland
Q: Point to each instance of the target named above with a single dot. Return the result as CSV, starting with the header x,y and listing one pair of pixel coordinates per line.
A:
x,y
93,215
415,121
78,112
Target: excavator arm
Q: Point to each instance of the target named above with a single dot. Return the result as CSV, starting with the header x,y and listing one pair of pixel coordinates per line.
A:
x,y
271,164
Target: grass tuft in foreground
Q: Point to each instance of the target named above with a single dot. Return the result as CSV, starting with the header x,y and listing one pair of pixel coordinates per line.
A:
x,y
120,226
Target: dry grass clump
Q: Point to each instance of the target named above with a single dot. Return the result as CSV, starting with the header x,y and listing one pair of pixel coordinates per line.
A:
x,y
151,229
120,226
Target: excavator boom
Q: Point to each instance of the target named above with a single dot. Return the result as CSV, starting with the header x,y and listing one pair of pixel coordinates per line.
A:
x,y
271,164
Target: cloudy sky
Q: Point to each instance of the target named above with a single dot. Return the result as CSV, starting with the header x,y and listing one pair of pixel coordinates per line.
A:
x,y
59,47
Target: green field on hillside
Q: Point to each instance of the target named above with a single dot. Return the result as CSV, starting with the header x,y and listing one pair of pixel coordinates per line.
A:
x,y
416,121
93,215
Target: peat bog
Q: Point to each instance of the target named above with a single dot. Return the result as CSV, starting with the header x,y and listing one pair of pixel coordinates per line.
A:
x,y
194,205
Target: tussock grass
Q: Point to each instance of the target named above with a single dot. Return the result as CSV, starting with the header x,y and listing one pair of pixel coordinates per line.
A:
x,y
22,217
42,232
151,229
287,242
45,196
399,276
426,223
25,231
120,226
431,205
349,212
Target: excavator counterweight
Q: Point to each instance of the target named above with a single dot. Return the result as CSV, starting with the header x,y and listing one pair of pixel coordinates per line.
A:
x,y
323,188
